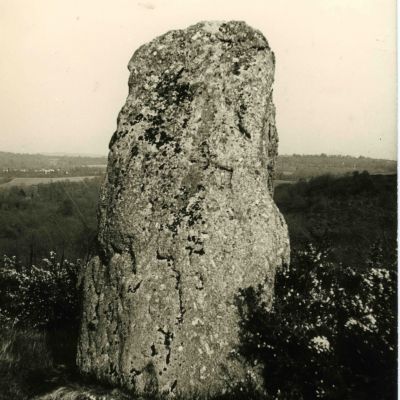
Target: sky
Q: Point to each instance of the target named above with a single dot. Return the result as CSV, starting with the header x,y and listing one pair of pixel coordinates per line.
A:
x,y
63,69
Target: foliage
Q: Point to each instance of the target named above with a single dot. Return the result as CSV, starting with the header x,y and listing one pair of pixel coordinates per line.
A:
x,y
44,296
347,213
59,216
331,333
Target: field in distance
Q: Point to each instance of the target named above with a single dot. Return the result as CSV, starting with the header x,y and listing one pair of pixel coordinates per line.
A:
x,y
37,181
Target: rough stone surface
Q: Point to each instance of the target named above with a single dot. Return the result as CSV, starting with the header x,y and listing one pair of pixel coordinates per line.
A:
x,y
186,213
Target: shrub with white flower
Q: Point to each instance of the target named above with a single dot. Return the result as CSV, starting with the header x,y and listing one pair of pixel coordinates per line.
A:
x,y
41,296
331,333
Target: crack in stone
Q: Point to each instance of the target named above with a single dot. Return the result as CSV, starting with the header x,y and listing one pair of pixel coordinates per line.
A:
x,y
178,287
163,257
223,167
260,48
178,284
195,245
174,384
168,338
227,169
135,288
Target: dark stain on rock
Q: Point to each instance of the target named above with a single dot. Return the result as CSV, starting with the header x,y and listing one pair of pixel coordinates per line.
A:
x,y
195,245
168,338
172,90
135,150
157,137
236,68
240,116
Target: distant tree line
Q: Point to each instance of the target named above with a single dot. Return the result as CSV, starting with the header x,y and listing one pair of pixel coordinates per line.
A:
x,y
9,173
296,166
37,161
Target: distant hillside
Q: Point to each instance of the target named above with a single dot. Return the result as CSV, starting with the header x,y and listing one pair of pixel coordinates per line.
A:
x,y
28,166
296,166
38,161
288,167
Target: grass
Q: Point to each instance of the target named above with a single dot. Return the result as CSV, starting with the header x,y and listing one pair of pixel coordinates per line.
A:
x,y
33,362
25,364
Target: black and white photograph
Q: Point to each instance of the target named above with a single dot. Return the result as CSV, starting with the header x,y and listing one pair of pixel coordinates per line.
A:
x,y
198,200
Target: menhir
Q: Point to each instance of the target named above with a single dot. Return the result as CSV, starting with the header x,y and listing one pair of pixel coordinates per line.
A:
x,y
186,214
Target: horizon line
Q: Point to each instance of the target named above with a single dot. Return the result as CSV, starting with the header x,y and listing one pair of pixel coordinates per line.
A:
x,y
105,155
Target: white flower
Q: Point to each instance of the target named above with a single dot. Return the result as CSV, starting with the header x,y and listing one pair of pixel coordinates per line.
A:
x,y
320,344
367,324
371,319
351,322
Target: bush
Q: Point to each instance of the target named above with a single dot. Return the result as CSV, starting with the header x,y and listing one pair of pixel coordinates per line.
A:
x,y
331,333
39,316
44,296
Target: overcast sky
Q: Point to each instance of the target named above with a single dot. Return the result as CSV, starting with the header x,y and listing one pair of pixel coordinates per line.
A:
x,y
63,75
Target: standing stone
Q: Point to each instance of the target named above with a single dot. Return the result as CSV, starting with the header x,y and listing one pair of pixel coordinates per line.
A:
x,y
186,216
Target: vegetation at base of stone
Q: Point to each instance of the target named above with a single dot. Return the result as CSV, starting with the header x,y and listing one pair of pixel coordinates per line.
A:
x,y
331,333
347,213
58,216
30,369
25,363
